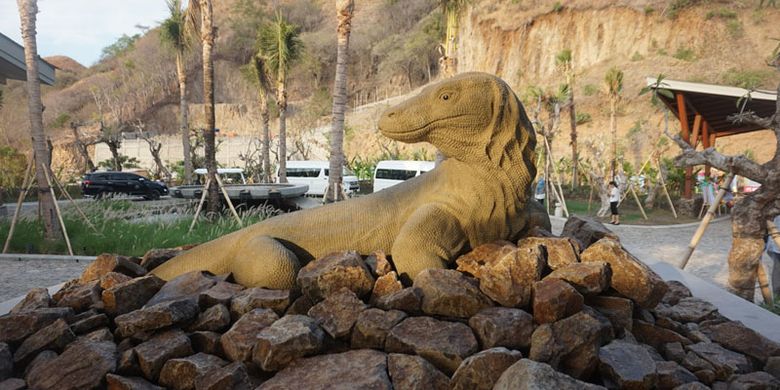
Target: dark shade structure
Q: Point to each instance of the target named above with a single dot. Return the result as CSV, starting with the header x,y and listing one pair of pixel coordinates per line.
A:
x,y
12,66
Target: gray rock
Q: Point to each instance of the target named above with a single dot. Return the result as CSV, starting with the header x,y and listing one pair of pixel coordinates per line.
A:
x,y
37,298
410,372
6,362
215,319
55,337
481,370
772,366
502,327
116,382
287,339
408,300
153,354
676,291
13,384
326,275
131,295
188,285
253,298
627,365
234,376
221,293
450,293
301,306
89,324
586,230
372,327
673,351
692,386
102,334
358,369
754,381
150,318
444,344
237,343
737,337
338,312
689,309
527,374
182,373
83,366
671,375
42,358
724,362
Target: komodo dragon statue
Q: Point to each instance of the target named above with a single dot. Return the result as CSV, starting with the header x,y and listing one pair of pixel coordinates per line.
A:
x,y
479,194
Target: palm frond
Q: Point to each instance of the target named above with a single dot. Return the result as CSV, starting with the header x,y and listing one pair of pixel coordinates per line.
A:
x,y
279,44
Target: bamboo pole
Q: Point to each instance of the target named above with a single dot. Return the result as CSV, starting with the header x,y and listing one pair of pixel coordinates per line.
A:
x,y
230,204
73,202
25,188
666,191
636,198
200,204
557,177
57,209
705,221
590,197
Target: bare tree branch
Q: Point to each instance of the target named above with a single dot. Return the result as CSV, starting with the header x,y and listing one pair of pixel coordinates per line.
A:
x,y
751,118
739,165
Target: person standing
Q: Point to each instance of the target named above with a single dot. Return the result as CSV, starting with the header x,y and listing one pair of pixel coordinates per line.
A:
x,y
539,193
773,251
614,199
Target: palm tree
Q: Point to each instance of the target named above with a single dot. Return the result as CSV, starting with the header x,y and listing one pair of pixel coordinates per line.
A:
x,y
27,13
173,33
259,72
280,44
449,62
564,61
335,192
614,85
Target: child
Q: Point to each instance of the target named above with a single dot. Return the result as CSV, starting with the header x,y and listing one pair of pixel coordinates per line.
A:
x,y
614,198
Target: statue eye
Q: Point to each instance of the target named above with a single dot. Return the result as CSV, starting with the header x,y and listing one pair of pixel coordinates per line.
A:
x,y
445,97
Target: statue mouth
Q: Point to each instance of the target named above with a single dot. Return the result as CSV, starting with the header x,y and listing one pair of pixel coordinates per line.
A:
x,y
406,135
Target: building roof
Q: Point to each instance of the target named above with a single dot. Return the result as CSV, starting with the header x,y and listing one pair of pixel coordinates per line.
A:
x,y
12,65
715,103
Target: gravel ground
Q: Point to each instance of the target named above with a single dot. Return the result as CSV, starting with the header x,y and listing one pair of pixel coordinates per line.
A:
x,y
666,243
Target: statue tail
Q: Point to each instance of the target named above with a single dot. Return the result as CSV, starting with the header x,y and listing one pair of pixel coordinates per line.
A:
x,y
213,256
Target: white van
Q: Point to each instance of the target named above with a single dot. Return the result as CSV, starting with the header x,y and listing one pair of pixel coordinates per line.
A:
x,y
391,172
228,175
315,175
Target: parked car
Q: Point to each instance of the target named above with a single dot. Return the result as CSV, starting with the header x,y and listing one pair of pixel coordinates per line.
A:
x,y
315,175
101,184
227,175
391,172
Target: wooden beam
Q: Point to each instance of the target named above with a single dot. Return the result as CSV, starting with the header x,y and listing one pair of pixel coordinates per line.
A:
x,y
696,127
682,112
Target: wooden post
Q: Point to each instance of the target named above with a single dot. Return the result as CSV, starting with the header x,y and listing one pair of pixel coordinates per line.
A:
x,y
200,204
666,191
57,209
705,141
230,204
73,202
25,188
590,197
686,135
696,129
705,221
636,198
558,179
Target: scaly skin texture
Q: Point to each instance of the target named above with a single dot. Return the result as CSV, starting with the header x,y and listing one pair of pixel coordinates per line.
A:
x,y
479,194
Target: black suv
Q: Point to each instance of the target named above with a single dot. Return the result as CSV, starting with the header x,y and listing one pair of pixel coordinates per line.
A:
x,y
100,184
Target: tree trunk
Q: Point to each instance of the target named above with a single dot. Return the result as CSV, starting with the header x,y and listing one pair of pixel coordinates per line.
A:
x,y
613,131
154,149
448,63
266,147
82,148
27,13
114,146
335,190
184,118
747,247
207,34
574,153
281,103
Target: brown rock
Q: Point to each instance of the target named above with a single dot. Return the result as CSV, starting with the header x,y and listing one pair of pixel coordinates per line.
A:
x,y
37,298
206,342
55,337
408,300
215,319
89,324
16,327
754,381
234,376
527,374
111,279
409,372
326,275
656,336
156,317
378,264
42,357
671,375
359,369
560,251
300,305
116,382
182,373
155,257
627,365
450,293
737,337
221,293
489,253
692,386
588,278
131,295
254,298
128,363
673,351
186,285
444,344
106,263
102,334
773,366
289,338
502,327
630,277
586,230
237,343
481,370
725,362
82,297
13,384
554,300
372,326
82,366
687,310
153,354
385,285
674,292
617,310
337,313
570,345
6,362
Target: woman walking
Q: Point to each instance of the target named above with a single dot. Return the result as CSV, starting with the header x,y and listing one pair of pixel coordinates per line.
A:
x,y
614,198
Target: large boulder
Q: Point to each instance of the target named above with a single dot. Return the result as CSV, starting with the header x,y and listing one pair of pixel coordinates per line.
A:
x,y
253,298
372,327
360,369
527,374
444,344
481,370
554,300
725,362
54,337
338,312
586,230
627,365
689,309
167,313
106,263
560,252
588,278
326,275
153,353
450,293
82,366
237,343
502,327
16,327
411,372
630,277
737,337
37,298
290,338
182,373
131,295
188,285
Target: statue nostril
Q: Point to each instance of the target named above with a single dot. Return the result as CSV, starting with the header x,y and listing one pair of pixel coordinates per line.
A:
x,y
391,114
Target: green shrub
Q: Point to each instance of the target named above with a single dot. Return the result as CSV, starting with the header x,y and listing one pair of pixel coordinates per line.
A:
x,y
589,90
583,117
734,27
649,10
637,57
747,78
62,120
722,13
557,7
662,52
684,54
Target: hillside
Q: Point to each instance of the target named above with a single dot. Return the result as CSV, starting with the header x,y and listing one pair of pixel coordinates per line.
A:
x,y
393,52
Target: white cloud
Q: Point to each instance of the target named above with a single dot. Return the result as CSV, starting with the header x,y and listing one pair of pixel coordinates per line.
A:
x,y
81,28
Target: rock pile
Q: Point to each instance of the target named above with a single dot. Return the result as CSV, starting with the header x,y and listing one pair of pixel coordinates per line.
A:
x,y
571,312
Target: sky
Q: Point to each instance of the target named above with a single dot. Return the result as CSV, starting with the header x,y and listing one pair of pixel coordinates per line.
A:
x,y
80,29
